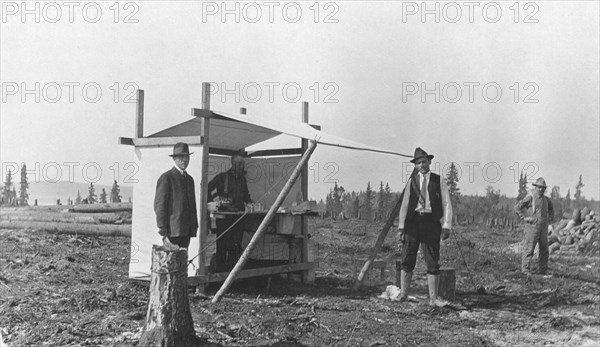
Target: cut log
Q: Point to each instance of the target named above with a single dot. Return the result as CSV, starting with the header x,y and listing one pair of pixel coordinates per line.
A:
x,y
115,207
84,218
70,228
56,217
169,320
447,284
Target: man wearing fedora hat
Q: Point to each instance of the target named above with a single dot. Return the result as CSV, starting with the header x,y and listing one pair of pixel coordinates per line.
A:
x,y
537,212
425,218
175,201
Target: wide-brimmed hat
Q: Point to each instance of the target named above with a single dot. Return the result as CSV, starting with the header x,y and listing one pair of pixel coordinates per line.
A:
x,y
540,183
180,149
420,153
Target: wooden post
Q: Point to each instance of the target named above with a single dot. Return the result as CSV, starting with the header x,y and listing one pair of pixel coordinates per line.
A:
x,y
380,239
265,223
203,201
139,114
308,276
447,283
168,320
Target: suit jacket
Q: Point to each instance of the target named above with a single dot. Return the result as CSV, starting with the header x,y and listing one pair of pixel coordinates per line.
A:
x,y
175,205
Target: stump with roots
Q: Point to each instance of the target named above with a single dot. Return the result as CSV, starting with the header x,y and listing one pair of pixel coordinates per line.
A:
x,y
169,320
447,284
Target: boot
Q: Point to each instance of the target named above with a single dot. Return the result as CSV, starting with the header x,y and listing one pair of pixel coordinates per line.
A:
x,y
405,278
433,281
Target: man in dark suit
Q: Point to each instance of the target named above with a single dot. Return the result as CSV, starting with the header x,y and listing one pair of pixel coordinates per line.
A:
x,y
425,218
175,201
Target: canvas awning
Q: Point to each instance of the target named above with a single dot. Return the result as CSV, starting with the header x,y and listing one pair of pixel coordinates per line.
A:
x,y
234,132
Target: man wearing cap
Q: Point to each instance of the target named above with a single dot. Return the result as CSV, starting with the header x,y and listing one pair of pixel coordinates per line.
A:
x,y
537,212
425,218
175,201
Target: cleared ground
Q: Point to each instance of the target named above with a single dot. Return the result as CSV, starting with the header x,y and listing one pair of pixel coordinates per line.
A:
x,y
67,290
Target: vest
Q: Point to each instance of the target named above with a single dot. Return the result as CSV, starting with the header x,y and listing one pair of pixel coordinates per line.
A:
x,y
435,197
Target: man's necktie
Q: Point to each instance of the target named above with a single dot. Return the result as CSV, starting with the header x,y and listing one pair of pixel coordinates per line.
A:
x,y
184,174
423,192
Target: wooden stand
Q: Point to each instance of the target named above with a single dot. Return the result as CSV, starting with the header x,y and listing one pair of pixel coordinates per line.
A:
x,y
169,320
447,284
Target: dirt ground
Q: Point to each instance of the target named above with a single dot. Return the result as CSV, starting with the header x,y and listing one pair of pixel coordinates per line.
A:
x,y
64,290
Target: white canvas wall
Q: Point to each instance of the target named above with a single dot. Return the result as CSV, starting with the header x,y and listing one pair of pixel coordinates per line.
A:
x,y
152,162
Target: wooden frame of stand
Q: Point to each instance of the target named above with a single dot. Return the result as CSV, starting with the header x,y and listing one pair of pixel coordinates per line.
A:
x,y
203,277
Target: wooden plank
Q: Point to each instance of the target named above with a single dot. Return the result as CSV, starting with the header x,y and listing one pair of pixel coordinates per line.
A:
x,y
202,112
221,151
273,152
307,276
139,114
203,201
384,231
161,141
126,141
221,276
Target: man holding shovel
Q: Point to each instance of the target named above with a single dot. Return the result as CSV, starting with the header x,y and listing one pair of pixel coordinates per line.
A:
x,y
425,218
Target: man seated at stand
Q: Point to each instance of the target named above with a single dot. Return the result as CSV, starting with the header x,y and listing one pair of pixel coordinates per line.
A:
x,y
231,187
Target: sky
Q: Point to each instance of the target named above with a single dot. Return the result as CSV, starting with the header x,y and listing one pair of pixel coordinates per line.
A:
x,y
498,88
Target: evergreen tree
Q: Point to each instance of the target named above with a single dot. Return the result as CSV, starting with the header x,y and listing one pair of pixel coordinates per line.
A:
x,y
337,199
103,196
78,198
568,201
7,192
23,195
115,193
578,196
389,200
13,196
522,186
452,180
381,203
91,194
329,203
367,213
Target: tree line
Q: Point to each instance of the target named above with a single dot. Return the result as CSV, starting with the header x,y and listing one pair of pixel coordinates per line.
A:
x,y
9,196
494,208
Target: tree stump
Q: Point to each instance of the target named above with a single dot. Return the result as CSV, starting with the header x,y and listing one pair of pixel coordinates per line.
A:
x,y
169,320
447,284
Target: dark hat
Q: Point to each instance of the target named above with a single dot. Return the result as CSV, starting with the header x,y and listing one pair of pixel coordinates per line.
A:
x,y
180,148
540,183
420,153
